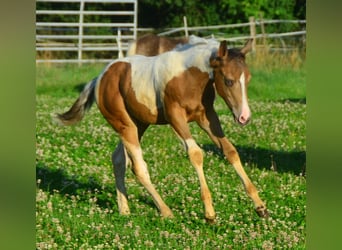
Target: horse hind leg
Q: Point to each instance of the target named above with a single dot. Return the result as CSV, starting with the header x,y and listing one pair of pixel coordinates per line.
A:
x,y
120,162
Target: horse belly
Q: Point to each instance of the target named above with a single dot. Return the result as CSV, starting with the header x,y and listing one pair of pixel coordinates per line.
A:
x,y
144,114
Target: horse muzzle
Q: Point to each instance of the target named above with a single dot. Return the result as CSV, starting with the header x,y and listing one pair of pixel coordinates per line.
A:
x,y
243,117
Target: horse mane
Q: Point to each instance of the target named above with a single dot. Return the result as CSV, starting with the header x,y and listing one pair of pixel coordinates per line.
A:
x,y
236,53
194,41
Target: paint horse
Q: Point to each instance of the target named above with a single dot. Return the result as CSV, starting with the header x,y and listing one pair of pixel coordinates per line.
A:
x,y
176,87
152,45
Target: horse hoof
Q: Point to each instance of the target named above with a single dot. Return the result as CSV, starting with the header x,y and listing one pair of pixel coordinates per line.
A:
x,y
167,215
210,219
125,212
262,212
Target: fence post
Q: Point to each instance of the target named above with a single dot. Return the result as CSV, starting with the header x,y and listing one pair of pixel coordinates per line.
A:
x,y
253,32
185,26
262,26
80,32
135,29
118,41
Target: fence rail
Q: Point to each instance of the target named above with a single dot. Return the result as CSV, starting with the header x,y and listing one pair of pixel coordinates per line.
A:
x,y
225,26
252,24
82,34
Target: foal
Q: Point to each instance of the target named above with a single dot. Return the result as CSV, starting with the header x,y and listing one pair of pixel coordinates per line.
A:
x,y
176,87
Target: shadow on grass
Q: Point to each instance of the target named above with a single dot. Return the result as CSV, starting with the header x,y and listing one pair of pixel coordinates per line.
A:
x,y
64,183
291,162
294,100
79,87
58,179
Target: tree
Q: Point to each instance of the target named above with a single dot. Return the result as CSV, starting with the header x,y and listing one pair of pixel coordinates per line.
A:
x,y
169,13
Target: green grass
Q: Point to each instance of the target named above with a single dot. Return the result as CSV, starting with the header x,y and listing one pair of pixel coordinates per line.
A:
x,y
76,198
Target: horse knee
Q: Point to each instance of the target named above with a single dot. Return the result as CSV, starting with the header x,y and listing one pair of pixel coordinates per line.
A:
x,y
196,156
195,153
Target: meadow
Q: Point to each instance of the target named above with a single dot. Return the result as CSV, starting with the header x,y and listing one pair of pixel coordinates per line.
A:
x,y
75,191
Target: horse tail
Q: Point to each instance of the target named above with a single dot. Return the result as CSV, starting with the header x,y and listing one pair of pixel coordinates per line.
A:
x,y
132,48
79,108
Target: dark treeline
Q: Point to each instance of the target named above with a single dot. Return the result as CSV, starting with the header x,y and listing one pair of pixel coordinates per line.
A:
x,y
169,13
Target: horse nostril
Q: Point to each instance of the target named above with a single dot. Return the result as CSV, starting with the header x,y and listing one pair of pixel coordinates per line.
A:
x,y
244,115
243,119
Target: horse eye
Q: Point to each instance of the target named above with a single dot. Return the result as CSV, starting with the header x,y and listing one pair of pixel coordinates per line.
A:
x,y
228,82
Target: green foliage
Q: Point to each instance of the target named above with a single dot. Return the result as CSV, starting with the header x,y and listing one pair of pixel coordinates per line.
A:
x,y
166,14
169,13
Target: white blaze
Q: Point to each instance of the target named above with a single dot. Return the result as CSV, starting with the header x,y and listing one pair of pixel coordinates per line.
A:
x,y
245,111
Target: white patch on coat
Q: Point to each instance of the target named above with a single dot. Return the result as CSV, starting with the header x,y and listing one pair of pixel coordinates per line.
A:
x,y
191,144
132,48
150,75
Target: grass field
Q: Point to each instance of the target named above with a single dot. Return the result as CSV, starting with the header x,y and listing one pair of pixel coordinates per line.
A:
x,y
75,195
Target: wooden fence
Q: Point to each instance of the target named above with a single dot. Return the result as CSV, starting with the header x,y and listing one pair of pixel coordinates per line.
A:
x,y
111,36
254,26
89,32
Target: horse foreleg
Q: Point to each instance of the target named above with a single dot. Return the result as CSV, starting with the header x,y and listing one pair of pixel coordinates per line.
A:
x,y
209,122
120,161
141,172
195,153
233,157
196,159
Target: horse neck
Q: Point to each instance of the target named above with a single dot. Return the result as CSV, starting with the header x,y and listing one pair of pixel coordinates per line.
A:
x,y
199,56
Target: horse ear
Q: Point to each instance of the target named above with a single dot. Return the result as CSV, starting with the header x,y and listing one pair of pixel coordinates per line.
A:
x,y
223,51
247,47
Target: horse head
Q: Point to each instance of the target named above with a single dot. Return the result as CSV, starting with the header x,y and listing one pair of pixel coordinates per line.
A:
x,y
231,77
